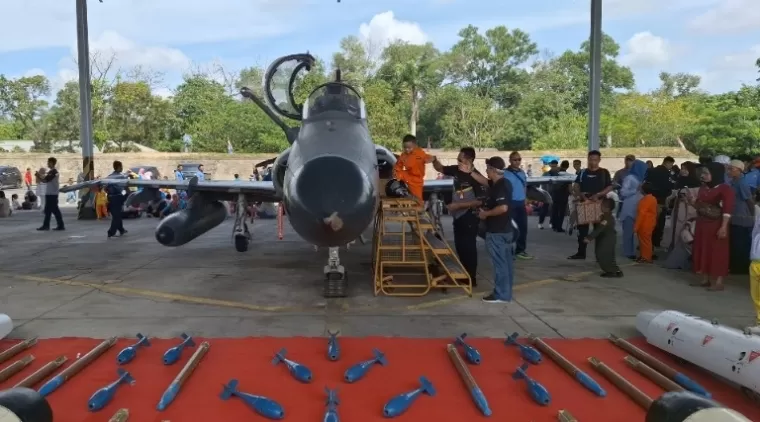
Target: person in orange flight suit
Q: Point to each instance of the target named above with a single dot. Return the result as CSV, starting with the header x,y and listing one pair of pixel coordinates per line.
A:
x,y
646,220
410,166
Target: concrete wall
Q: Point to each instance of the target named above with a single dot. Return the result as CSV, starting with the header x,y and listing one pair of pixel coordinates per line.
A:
x,y
223,166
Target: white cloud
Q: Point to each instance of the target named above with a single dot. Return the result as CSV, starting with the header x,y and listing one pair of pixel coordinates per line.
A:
x,y
162,22
729,16
384,28
129,54
727,72
126,54
645,49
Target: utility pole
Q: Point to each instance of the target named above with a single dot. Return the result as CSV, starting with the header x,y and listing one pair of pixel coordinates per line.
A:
x,y
85,108
595,77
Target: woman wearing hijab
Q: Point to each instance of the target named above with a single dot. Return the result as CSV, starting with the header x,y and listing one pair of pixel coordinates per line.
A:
x,y
742,220
714,204
630,196
687,185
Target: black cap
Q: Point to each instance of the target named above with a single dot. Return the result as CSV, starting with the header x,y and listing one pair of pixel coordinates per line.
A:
x,y
496,162
553,162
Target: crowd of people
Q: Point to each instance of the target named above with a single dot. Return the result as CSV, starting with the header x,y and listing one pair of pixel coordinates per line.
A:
x,y
714,230
715,224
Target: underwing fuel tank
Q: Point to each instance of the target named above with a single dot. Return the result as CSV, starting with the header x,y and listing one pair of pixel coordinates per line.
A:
x,y
184,226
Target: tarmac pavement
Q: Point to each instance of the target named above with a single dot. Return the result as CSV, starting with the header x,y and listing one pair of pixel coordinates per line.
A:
x,y
78,283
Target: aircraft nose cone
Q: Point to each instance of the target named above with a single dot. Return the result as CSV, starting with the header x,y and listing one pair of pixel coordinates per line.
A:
x,y
331,186
331,201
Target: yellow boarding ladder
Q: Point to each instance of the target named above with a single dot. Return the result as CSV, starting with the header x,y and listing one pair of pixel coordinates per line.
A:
x,y
412,262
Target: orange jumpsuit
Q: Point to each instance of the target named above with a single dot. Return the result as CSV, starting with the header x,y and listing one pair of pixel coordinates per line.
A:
x,y
646,220
101,203
410,168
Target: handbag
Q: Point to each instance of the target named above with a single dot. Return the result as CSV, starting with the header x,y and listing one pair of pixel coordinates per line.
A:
x,y
709,211
588,212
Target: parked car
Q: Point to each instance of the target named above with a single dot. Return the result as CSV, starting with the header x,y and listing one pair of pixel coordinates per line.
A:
x,y
154,171
11,177
189,170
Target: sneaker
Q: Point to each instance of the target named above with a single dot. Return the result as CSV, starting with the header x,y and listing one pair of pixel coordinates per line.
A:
x,y
616,274
59,229
523,255
43,229
493,299
577,256
754,330
123,233
540,226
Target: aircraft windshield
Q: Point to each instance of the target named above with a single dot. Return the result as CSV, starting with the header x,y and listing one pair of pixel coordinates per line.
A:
x,y
334,97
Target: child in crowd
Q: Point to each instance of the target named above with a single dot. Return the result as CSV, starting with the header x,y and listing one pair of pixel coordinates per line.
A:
x,y
71,197
605,240
101,203
646,220
754,270
14,202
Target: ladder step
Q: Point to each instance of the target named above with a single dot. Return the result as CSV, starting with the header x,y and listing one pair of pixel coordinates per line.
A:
x,y
453,267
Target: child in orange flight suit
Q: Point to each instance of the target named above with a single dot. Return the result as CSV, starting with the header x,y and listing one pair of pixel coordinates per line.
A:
x,y
101,203
410,167
646,220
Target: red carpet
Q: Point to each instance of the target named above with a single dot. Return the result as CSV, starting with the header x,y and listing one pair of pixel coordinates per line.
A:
x,y
249,360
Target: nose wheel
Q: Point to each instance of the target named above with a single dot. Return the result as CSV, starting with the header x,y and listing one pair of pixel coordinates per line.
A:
x,y
336,278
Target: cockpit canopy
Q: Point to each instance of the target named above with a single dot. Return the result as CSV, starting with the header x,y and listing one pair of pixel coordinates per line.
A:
x,y
334,96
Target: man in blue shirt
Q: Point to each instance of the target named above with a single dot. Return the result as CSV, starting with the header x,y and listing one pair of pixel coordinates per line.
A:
x,y
199,174
518,180
752,178
178,173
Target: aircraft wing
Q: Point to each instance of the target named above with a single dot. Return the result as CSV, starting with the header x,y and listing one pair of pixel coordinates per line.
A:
x,y
221,190
535,191
440,185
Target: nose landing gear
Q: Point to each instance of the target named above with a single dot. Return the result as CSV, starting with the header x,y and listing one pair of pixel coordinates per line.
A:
x,y
336,278
241,235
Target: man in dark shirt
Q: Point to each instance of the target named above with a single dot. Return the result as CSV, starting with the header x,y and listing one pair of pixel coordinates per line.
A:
x,y
499,232
560,197
545,207
116,201
468,188
659,178
592,184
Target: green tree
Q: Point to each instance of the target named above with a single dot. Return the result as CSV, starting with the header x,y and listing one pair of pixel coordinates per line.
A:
x,y
490,63
23,100
574,65
354,62
412,70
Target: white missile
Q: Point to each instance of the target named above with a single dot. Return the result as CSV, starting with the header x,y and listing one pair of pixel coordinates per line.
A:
x,y
724,351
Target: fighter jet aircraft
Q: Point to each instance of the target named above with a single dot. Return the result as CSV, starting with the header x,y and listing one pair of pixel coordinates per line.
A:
x,y
328,180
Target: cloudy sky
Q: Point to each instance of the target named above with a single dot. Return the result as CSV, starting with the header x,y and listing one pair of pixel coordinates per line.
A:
x,y
717,39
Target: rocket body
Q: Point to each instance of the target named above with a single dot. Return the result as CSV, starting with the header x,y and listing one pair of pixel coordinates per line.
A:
x,y
722,350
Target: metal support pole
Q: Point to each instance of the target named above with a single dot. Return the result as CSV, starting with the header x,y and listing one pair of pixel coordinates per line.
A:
x,y
85,105
595,75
